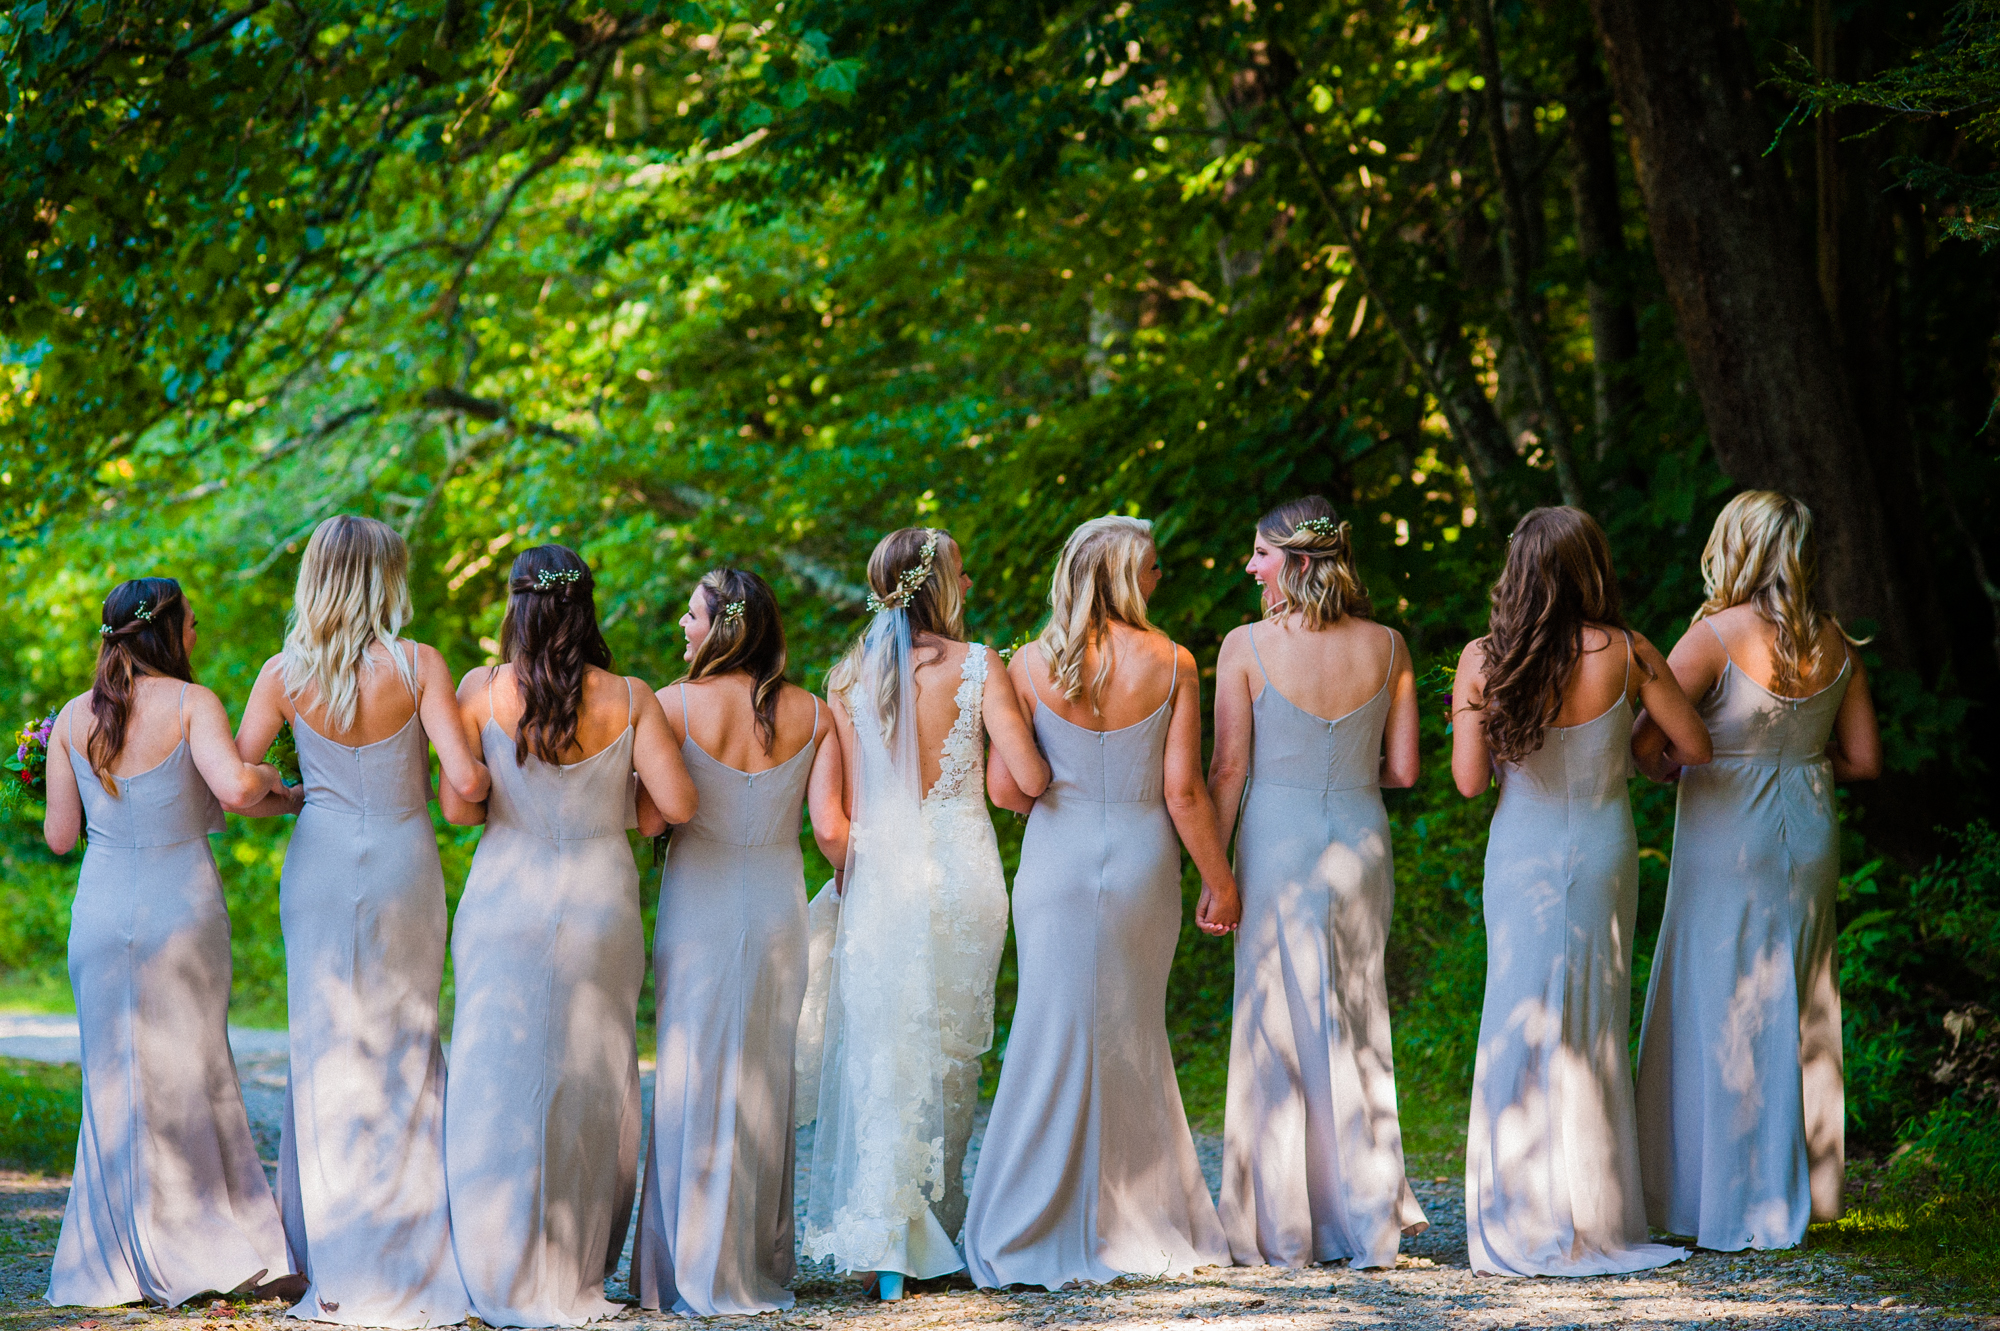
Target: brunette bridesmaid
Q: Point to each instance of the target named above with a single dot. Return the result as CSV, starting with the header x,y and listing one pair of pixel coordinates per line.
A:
x,y
542,1106
729,962
168,1200
1740,1100
1544,702
1088,1171
361,1161
1315,711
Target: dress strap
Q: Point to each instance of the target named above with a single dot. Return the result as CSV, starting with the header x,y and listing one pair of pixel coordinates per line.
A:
x,y
815,698
628,699
1034,688
1719,642
182,706
1627,695
417,686
1174,681
491,715
1391,672
1260,657
684,712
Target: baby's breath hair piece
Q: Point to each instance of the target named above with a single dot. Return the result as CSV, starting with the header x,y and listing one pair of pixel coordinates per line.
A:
x,y
141,614
1318,526
913,577
547,579
732,612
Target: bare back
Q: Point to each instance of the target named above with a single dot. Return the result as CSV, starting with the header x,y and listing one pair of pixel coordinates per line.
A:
x,y
155,728
608,706
1752,643
1143,675
717,713
384,704
1328,672
1605,673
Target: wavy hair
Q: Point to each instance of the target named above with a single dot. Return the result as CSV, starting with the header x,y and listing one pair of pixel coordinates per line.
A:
x,y
353,592
1096,584
1762,551
1558,577
936,607
751,640
1318,579
551,638
141,634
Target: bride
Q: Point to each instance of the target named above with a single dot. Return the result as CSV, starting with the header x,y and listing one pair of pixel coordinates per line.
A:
x,y
923,915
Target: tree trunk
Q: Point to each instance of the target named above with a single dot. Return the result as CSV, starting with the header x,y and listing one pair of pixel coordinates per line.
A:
x,y
1600,243
1761,350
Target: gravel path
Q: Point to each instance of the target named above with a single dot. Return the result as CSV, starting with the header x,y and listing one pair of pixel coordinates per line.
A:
x,y
1431,1287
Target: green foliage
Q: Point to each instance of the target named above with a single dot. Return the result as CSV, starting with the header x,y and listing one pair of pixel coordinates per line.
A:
x,y
41,1105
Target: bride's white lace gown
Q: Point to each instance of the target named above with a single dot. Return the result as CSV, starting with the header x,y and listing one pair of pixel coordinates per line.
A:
x,y
910,1010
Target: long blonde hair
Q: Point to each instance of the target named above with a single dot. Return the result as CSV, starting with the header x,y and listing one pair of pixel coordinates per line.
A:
x,y
1096,584
1318,579
1762,551
935,603
353,592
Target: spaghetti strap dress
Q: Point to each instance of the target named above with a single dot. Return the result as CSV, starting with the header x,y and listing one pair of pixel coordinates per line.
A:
x,y
1551,1153
1741,1106
361,1159
716,1229
1312,1151
1088,1171
541,1112
168,1200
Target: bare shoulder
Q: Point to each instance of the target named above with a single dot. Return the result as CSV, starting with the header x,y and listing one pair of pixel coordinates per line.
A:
x,y
1472,660
476,679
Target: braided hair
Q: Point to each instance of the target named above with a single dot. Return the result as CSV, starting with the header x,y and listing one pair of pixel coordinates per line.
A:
x,y
550,637
142,634
1318,580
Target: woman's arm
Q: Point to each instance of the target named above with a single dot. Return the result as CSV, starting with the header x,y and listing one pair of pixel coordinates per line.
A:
x,y
1471,760
1685,735
826,795
241,786
267,709
458,810
444,725
1856,744
1400,758
1696,663
658,759
1229,765
1013,738
62,821
1002,787
843,728
1192,811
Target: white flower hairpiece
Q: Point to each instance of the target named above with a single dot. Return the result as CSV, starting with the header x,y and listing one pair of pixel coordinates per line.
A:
x,y
913,577
143,614
1318,526
547,578
732,612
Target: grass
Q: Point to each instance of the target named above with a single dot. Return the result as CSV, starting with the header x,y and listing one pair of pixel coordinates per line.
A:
x,y
41,1105
38,992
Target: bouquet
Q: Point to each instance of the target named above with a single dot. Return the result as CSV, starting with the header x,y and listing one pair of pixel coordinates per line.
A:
x,y
284,755
26,772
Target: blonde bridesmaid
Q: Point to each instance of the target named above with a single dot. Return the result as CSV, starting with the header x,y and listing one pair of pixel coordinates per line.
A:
x,y
1315,712
1544,702
715,1231
1740,1099
541,1114
168,1199
1088,1171
361,1159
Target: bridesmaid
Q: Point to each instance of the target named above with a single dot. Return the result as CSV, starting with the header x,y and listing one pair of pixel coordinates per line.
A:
x,y
1088,1171
361,1162
729,962
1740,1100
541,1112
1312,1166
169,1200
1544,702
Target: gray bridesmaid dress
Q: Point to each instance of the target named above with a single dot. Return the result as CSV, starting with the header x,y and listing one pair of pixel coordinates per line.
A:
x,y
361,1160
1741,1106
1088,1171
168,1200
729,970
541,1112
1312,1152
1551,1153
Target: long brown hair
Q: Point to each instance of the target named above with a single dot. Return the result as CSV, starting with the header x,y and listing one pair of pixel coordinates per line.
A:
x,y
746,634
1318,579
551,638
141,634
1558,578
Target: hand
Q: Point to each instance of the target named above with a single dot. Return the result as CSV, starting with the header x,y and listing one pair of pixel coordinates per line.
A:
x,y
274,780
1219,911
